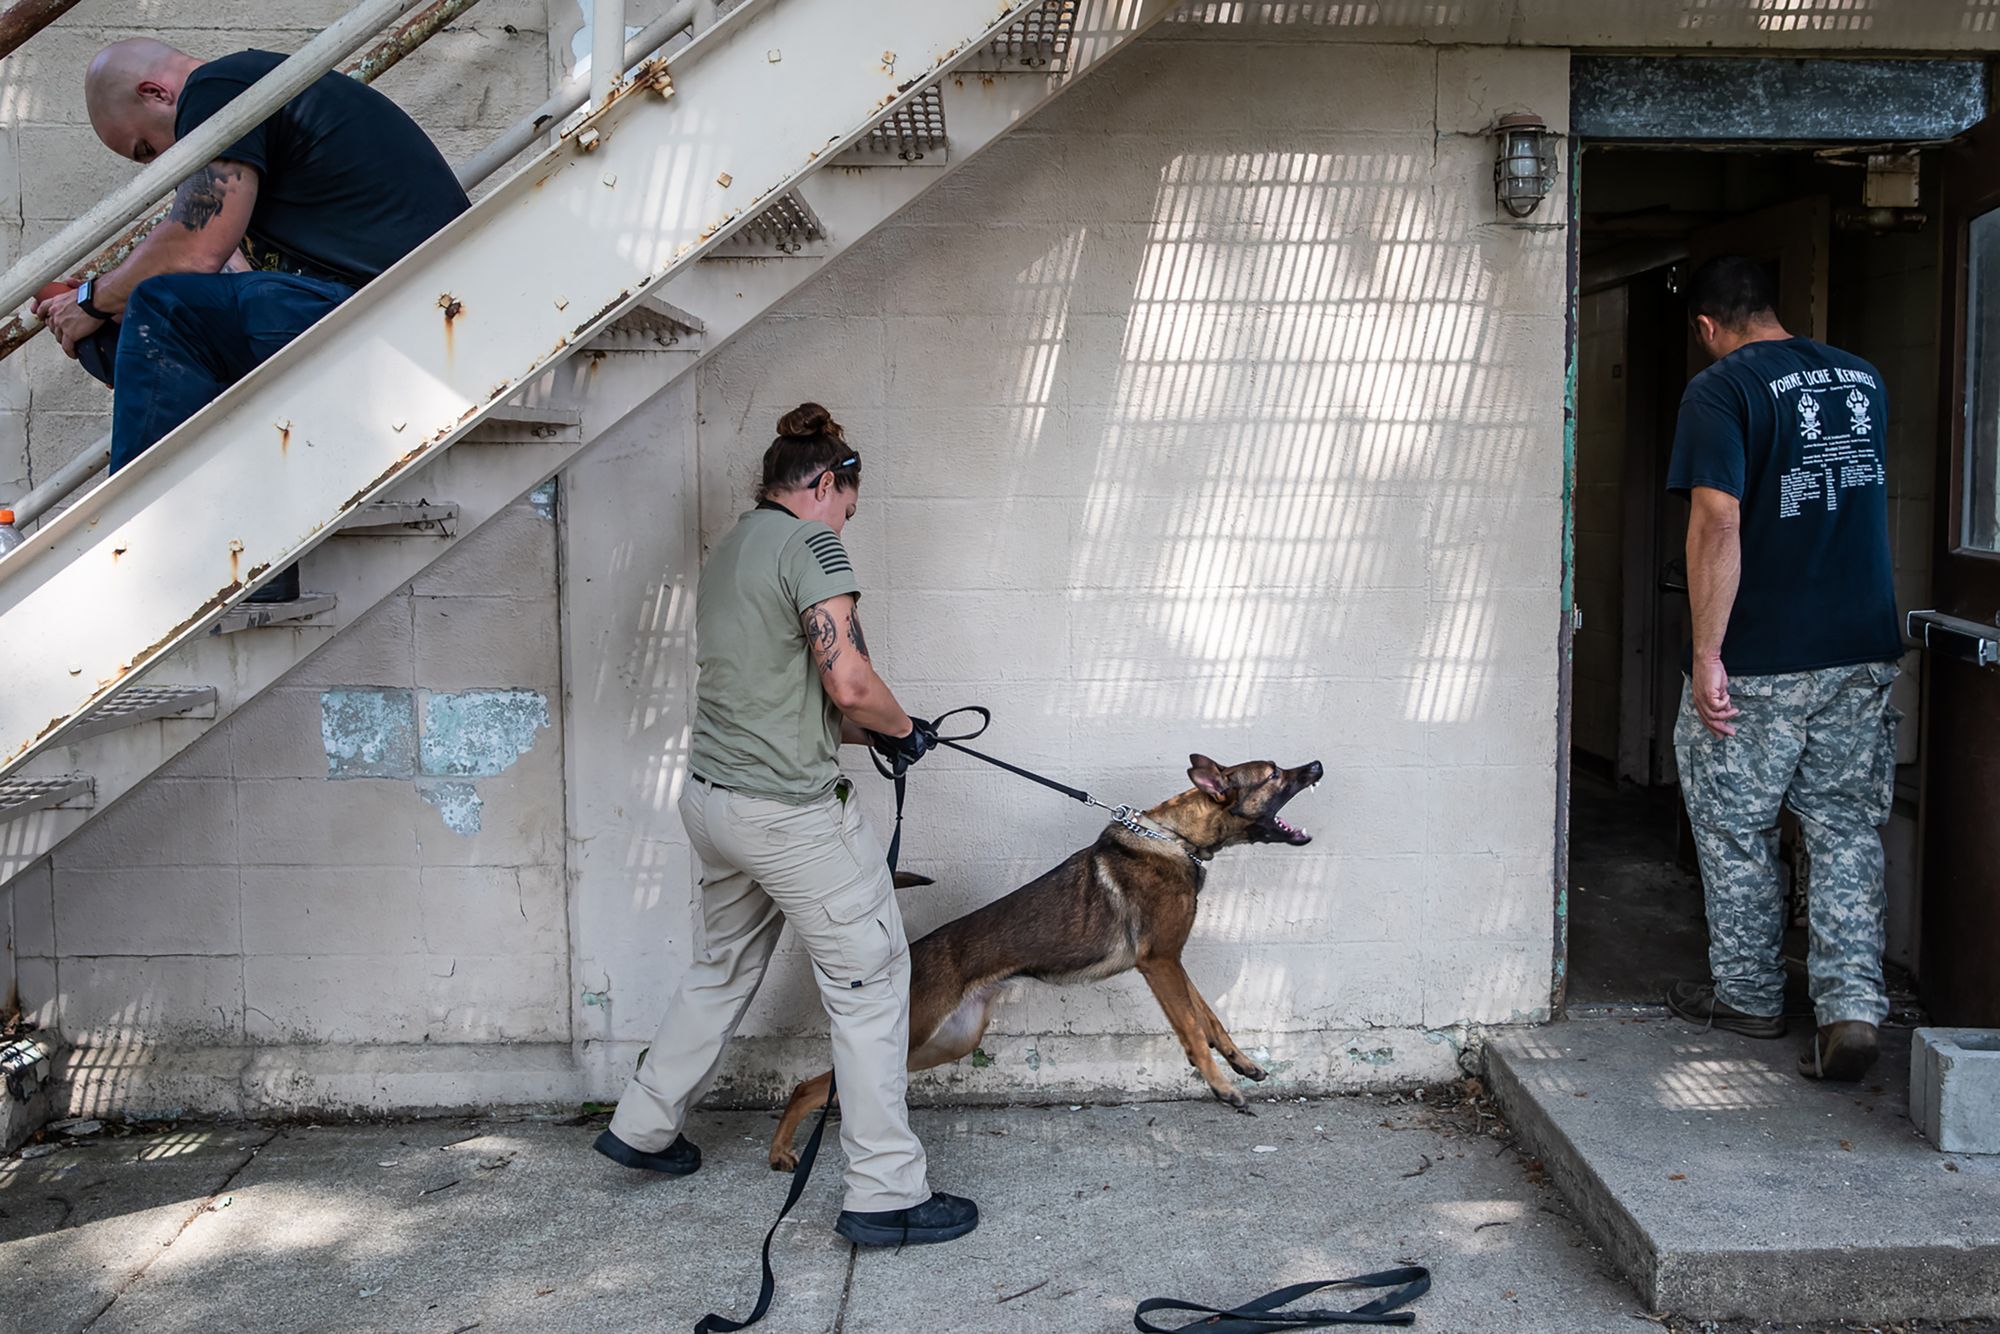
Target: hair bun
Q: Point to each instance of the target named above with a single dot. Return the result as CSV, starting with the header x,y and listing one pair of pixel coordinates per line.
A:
x,y
807,421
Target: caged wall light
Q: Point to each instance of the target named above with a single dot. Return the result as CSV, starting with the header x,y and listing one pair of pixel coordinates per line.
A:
x,y
1524,173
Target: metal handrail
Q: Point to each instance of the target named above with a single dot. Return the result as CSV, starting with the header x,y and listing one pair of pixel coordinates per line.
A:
x,y
72,475
25,18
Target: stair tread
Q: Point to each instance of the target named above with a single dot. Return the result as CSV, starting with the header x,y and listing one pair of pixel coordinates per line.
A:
x,y
141,704
20,794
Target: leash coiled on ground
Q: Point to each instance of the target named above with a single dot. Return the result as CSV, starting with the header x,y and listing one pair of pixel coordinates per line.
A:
x,y
1405,1284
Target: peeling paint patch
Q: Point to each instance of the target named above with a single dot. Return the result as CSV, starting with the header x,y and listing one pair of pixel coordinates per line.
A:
x,y
479,733
458,803
1377,1056
543,499
369,733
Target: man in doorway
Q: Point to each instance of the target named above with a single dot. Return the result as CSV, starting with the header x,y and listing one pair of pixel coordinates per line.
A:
x,y
284,225
1781,452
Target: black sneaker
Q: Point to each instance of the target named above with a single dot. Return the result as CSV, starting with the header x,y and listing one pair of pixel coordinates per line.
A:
x,y
676,1160
1696,1002
940,1218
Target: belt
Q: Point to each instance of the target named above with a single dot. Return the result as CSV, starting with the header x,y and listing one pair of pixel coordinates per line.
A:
x,y
710,782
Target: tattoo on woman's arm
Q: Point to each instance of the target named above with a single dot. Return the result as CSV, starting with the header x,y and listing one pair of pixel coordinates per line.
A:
x,y
854,635
822,638
199,200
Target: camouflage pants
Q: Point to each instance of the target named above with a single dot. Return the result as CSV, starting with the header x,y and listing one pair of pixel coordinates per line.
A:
x,y
1824,743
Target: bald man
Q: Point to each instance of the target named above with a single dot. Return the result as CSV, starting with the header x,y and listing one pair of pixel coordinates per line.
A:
x,y
280,228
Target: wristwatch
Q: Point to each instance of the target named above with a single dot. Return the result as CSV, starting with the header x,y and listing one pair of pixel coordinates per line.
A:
x,y
83,300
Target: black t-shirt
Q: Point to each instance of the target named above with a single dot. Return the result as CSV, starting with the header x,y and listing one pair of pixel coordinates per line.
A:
x,y
1796,431
347,183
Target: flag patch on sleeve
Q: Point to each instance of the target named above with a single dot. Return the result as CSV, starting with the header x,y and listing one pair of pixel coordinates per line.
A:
x,y
832,556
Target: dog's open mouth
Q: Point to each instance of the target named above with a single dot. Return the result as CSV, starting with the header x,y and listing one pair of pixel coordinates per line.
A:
x,y
1271,829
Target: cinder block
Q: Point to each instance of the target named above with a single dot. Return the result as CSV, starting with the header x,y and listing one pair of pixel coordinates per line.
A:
x,y
62,165
1502,808
468,643
114,1001
1485,981
998,636
311,822
977,545
1955,1088
377,650
494,910
165,823
1479,84
519,814
331,910
148,911
513,555
33,903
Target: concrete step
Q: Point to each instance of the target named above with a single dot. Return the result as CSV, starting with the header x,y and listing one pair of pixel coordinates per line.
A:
x,y
1726,1186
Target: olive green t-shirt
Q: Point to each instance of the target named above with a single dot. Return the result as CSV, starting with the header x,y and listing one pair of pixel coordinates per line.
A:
x,y
762,723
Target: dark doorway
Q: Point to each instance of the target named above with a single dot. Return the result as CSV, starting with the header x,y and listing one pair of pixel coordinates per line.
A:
x,y
1856,273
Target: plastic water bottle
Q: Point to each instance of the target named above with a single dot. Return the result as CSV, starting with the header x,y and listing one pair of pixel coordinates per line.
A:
x,y
10,536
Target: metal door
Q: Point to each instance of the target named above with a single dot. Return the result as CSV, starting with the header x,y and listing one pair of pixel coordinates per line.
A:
x,y
1960,918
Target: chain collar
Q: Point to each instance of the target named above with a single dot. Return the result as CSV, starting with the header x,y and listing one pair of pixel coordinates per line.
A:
x,y
1130,818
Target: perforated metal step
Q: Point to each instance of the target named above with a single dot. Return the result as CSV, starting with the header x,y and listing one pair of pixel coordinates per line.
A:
x,y
786,226
258,615
402,518
913,131
24,796
143,704
1041,36
512,423
651,326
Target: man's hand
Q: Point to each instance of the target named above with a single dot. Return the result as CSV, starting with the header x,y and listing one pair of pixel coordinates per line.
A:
x,y
69,324
1710,688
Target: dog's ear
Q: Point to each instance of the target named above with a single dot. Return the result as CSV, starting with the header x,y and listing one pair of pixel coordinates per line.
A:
x,y
1207,775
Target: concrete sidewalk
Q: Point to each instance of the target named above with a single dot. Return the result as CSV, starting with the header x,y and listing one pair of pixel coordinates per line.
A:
x,y
513,1224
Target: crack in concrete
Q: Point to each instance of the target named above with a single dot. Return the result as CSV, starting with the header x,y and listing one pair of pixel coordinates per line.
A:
x,y
167,1245
846,1292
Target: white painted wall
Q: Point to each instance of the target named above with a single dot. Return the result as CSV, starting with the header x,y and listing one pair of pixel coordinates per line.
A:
x,y
1212,410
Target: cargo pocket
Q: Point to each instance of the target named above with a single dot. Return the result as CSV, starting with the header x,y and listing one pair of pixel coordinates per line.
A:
x,y
862,928
1882,775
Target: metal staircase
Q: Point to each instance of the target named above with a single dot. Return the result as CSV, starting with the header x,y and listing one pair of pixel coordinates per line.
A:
x,y
694,197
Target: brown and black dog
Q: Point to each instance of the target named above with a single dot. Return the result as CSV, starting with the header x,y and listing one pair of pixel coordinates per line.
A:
x,y
1126,901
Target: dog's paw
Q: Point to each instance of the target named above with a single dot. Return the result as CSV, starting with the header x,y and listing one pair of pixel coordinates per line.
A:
x,y
1235,1100
783,1160
1248,1068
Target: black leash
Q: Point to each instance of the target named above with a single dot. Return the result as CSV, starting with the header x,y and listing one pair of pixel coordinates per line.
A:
x,y
1405,1285
715,1324
898,771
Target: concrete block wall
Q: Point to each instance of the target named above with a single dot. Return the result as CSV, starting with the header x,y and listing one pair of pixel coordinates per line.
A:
x,y
1211,410
372,852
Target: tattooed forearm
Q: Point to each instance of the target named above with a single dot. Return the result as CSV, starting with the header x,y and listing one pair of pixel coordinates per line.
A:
x,y
199,200
854,635
822,638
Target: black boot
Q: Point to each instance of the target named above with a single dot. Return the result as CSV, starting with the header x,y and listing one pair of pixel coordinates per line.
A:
x,y
940,1218
676,1160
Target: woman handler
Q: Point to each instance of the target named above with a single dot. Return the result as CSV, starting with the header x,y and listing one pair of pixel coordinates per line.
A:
x,y
785,677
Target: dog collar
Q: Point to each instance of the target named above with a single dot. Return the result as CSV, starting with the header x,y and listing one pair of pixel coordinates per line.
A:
x,y
1139,824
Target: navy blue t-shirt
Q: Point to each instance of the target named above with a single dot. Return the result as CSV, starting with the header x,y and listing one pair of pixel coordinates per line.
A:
x,y
347,183
1796,431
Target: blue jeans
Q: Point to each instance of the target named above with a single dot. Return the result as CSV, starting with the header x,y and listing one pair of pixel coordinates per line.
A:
x,y
186,337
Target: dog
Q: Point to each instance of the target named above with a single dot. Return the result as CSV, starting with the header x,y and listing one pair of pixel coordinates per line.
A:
x,y
1127,901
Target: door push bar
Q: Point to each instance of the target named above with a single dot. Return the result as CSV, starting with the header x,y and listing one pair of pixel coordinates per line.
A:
x,y
1967,640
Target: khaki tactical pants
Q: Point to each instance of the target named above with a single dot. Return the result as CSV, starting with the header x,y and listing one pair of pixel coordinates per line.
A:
x,y
819,867
1824,743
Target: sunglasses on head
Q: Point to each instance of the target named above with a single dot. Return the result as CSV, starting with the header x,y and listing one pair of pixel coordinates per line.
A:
x,y
851,461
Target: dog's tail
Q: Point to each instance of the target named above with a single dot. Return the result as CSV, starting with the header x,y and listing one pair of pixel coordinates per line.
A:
x,y
911,880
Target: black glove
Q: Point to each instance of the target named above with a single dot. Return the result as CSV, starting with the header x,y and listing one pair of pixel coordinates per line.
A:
x,y
922,739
